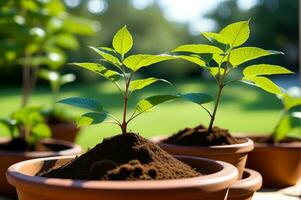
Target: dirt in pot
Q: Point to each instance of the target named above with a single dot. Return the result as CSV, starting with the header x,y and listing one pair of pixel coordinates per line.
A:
x,y
199,136
271,140
20,145
56,120
123,157
15,144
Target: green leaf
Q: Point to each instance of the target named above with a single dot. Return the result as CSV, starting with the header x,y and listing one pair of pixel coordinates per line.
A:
x,y
150,102
265,69
122,41
263,83
101,70
66,40
194,59
40,131
283,128
244,54
140,84
215,70
289,101
91,118
135,62
198,49
108,54
81,102
79,25
216,37
236,33
198,98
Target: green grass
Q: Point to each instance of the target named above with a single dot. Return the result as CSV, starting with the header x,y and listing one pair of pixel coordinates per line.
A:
x,y
244,109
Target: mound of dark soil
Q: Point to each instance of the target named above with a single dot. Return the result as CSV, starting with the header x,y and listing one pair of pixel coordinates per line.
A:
x,y
123,157
199,136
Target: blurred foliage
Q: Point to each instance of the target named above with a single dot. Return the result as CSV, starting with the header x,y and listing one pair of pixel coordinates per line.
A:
x,y
37,33
28,124
274,25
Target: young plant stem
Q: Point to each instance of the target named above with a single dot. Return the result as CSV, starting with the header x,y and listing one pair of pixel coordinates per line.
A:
x,y
284,112
125,104
218,98
26,85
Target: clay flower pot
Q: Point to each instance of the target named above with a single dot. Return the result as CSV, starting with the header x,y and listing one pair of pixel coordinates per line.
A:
x,y
7,158
245,188
64,131
235,154
212,186
279,164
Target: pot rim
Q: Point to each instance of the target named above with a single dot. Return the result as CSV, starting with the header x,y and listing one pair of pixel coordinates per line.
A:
x,y
73,149
275,145
251,183
228,174
244,147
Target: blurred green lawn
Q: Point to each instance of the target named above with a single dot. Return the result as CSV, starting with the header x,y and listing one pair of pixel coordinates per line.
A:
x,y
244,109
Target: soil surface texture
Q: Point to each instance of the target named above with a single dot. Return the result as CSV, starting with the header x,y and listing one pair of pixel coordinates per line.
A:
x,y
199,136
123,157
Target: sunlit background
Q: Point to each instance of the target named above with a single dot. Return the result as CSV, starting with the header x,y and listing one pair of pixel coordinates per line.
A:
x,y
159,26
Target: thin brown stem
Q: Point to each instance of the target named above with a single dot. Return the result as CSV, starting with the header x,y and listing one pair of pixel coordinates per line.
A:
x,y
26,85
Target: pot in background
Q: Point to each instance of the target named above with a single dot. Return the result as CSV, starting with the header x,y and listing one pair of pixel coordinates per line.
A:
x,y
245,188
235,154
212,186
279,164
64,131
7,158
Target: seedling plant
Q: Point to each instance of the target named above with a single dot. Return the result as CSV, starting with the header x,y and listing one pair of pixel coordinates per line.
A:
x,y
121,74
223,58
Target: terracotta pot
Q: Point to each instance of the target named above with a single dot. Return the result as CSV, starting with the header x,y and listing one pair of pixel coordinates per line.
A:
x,y
64,131
245,188
279,164
7,158
235,154
212,186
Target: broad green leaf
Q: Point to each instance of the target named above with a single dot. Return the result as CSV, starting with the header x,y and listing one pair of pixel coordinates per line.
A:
x,y
150,102
79,25
216,37
41,130
122,41
215,71
140,84
218,58
107,53
236,33
265,69
244,54
81,102
290,102
91,118
194,59
263,83
198,98
135,62
283,128
101,70
198,49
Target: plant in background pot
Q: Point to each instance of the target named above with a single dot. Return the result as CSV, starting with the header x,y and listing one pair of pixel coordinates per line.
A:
x,y
27,140
59,120
125,166
222,59
278,156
